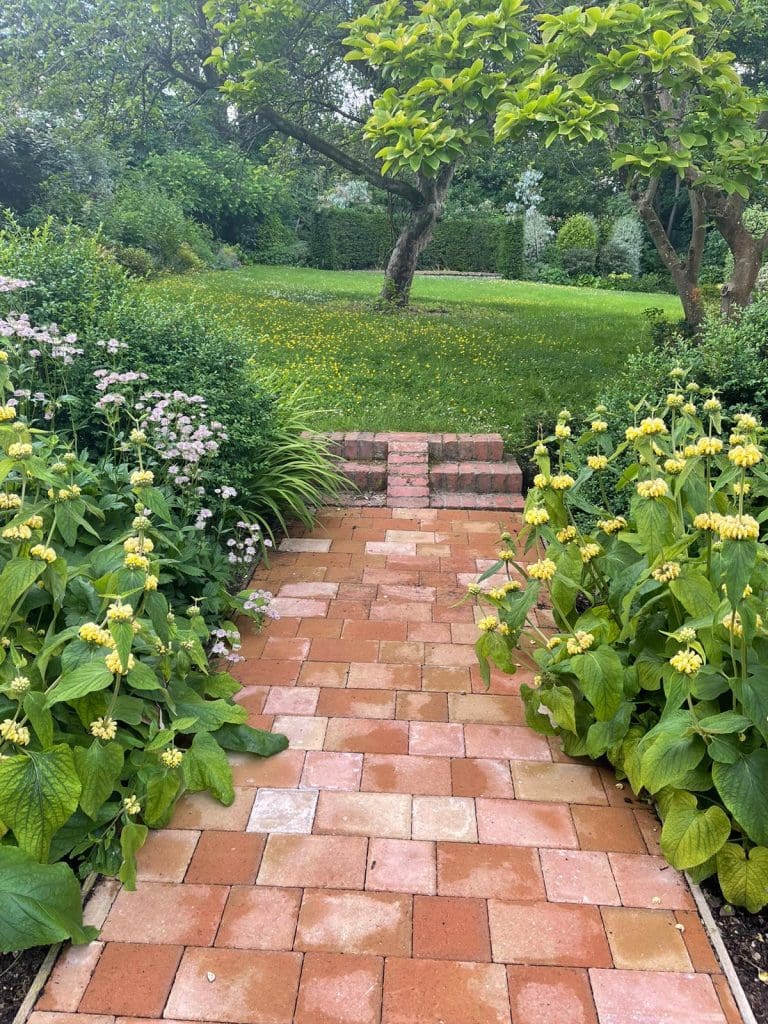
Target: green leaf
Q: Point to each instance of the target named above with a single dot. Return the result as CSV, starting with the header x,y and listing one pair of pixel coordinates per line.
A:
x,y
132,838
155,501
669,758
742,787
162,789
99,767
122,634
39,790
601,673
621,82
725,722
142,677
88,678
39,716
205,766
15,580
39,903
604,735
696,594
738,560
744,878
559,700
209,715
244,739
690,836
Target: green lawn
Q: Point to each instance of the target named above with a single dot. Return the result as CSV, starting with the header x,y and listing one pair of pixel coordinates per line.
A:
x,y
471,355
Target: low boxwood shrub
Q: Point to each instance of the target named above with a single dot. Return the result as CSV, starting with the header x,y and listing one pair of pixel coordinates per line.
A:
x,y
658,662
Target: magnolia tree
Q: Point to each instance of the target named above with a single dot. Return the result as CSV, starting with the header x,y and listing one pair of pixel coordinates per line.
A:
x,y
651,84
422,85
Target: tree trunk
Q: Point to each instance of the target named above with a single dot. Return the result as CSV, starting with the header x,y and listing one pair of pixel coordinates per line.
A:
x,y
747,251
414,238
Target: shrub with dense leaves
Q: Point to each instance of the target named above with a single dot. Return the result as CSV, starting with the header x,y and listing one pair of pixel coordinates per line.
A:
x,y
577,232
511,251
659,658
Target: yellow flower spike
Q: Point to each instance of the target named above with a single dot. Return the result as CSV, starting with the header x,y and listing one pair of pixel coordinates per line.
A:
x,y
580,642
567,534
561,482
653,488
103,728
536,516
562,431
598,426
488,624
687,662
737,528
590,551
610,526
652,426
709,446
667,572
597,462
746,456
544,569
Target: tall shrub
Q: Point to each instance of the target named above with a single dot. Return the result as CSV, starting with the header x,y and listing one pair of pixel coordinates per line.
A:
x,y
509,260
577,232
627,234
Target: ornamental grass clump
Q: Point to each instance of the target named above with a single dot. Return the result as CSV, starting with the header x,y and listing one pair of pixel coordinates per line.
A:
x,y
659,659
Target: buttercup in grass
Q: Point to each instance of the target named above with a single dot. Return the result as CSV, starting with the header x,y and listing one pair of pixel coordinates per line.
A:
x,y
659,661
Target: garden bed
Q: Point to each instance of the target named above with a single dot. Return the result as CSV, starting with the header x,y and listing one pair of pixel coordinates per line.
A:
x,y
745,937
17,973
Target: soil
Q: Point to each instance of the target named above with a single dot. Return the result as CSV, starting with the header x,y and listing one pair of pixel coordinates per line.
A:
x,y
746,939
17,972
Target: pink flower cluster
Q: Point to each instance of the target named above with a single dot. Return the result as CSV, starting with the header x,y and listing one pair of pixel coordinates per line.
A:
x,y
40,340
13,284
178,427
227,644
109,380
244,550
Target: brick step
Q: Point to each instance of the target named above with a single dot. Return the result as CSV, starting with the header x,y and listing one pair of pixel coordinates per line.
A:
x,y
478,477
366,476
367,446
500,502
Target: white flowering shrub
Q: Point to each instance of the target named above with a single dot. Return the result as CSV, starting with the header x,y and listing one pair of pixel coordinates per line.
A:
x,y
659,660
627,236
109,707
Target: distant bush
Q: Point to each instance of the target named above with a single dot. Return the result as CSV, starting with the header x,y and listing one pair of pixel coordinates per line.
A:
x,y
578,261
628,234
135,261
466,244
617,258
577,232
349,239
510,256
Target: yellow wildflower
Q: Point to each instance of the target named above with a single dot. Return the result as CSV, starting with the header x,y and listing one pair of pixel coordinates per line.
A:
x,y
746,421
21,532
610,526
580,641
35,522
7,413
472,588
632,433
677,373
712,405
597,462
9,501
598,426
90,633
675,400
652,488
745,455
115,664
510,586
708,446
506,555
488,624
119,612
132,561
674,466
19,685
738,528
553,642
20,450
43,553
10,732
687,662
567,534
142,478
140,544
707,521
666,572
653,425
150,583
541,481
589,551
739,489
171,758
536,516
689,409
103,728
561,482
562,431
544,569
131,804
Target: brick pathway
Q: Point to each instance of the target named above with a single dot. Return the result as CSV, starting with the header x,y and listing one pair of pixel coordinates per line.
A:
x,y
417,856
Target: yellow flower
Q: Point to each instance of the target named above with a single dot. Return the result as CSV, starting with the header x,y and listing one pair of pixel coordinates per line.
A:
x,y
666,572
504,629
737,439
632,433
142,478
488,624
687,662
544,569
43,553
709,446
536,516
745,455
171,758
689,409
119,612
20,450
137,437
653,425
674,466
677,373
738,528
744,488
652,488
746,421
675,400
692,386
141,523
103,728
21,532
712,405
598,426
541,481
553,642
597,462
580,641
35,522
561,482
150,583
589,551
497,594
9,501
472,588
707,521
132,561
10,732
506,555
90,633
562,431
131,805
510,586
140,544
685,635
19,685
689,452
540,451
115,664
610,526
7,413
567,534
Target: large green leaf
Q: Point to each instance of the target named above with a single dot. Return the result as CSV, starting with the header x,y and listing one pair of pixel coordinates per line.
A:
x,y
88,678
205,766
99,767
559,700
738,560
16,578
39,716
601,674
695,593
691,836
743,787
604,735
209,714
132,838
39,903
246,740
162,789
39,790
744,878
668,759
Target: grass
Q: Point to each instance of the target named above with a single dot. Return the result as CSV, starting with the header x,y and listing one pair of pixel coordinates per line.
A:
x,y
472,355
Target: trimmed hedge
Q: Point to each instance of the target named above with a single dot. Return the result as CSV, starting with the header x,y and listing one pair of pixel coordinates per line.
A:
x,y
509,261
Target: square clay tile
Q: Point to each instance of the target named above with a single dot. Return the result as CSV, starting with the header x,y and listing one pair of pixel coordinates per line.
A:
x,y
451,928
324,673
649,882
430,632
329,862
357,703
303,732
560,934
292,700
579,876
70,977
612,829
133,979
375,923
445,680
485,709
401,865
421,707
329,770
653,997
574,783
385,677
401,773
338,989
226,858
258,917
281,771
481,777
489,872
444,992
513,741
525,823
248,986
165,855
53,1017
367,814
201,811
550,995
166,912
401,652
360,652
372,736
283,810
444,818
286,648
645,940
440,739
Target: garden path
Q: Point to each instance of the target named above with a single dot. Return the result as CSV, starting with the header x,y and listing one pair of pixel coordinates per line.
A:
x,y
418,856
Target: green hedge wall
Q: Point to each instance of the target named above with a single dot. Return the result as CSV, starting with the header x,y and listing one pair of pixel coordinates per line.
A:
x,y
511,249
355,239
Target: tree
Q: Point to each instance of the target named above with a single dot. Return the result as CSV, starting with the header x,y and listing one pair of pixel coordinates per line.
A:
x,y
423,89
652,86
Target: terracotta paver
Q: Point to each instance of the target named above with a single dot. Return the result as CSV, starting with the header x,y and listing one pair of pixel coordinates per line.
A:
x,y
417,855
